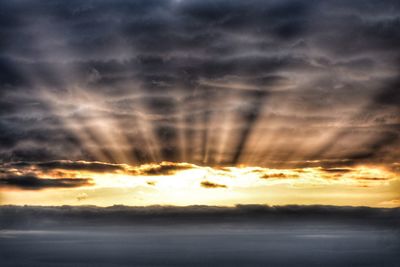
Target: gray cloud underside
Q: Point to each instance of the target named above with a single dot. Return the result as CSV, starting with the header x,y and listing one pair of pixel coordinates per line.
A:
x,y
65,165
32,182
280,80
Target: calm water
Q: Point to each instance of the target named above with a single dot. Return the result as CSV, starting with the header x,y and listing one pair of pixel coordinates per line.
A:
x,y
234,244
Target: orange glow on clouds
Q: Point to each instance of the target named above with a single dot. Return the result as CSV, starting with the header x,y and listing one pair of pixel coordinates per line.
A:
x,y
187,184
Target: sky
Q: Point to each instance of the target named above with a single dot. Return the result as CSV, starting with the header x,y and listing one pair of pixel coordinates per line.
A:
x,y
200,102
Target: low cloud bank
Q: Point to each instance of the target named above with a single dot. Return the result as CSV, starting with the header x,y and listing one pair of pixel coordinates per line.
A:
x,y
14,217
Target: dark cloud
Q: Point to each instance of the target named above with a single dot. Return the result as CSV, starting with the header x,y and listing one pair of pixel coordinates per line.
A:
x,y
386,97
208,184
75,165
16,216
31,182
373,178
278,176
164,168
151,183
299,165
337,170
206,82
10,74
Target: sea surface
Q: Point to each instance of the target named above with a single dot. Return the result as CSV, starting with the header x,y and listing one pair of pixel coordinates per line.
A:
x,y
204,244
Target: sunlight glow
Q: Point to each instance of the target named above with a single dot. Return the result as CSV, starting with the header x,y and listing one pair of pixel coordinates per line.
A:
x,y
183,184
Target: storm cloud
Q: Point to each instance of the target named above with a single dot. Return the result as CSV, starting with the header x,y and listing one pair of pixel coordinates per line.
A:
x,y
205,82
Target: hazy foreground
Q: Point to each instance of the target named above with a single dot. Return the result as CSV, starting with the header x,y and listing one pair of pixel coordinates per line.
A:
x,y
199,236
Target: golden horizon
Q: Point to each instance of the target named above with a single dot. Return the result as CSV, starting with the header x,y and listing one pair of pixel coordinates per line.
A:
x,y
97,183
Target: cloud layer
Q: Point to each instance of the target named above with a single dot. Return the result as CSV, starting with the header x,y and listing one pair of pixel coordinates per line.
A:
x,y
15,217
31,182
206,82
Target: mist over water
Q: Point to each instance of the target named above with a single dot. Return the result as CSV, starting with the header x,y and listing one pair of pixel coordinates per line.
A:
x,y
198,245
